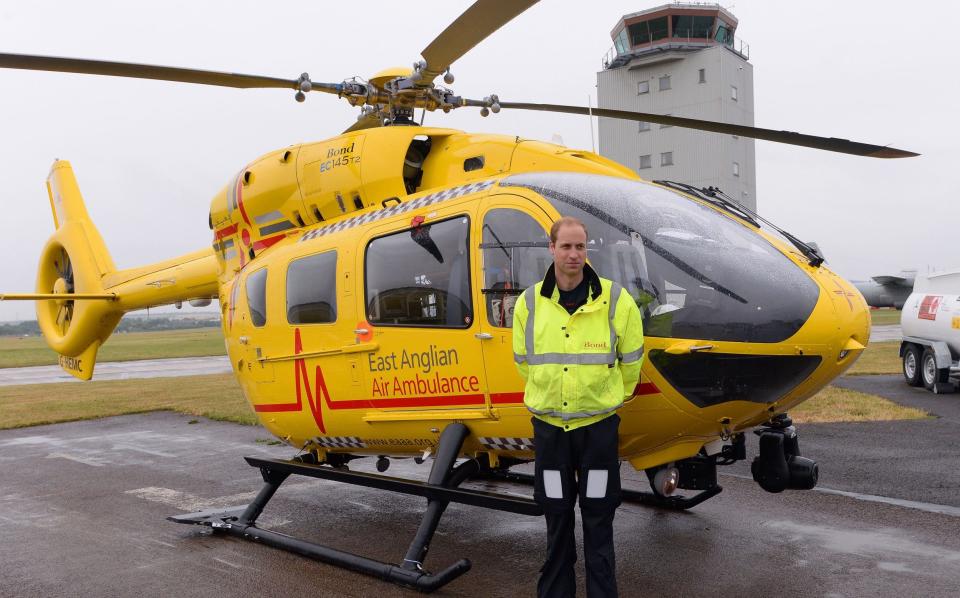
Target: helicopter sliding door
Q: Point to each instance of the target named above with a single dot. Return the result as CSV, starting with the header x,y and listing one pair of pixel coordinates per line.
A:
x,y
514,254
419,304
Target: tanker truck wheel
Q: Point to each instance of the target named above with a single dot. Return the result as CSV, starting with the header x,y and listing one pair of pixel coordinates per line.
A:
x,y
928,368
911,366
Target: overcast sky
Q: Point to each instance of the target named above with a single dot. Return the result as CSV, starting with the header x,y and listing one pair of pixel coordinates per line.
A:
x,y
150,155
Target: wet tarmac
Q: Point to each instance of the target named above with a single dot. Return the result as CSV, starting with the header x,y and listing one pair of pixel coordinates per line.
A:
x,y
120,370
82,509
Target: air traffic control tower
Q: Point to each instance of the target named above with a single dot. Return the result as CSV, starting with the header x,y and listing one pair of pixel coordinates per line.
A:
x,y
680,59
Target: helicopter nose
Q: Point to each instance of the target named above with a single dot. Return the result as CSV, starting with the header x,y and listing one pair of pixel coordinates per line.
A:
x,y
852,318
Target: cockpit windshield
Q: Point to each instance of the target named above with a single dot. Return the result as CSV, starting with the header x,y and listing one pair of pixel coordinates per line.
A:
x,y
694,272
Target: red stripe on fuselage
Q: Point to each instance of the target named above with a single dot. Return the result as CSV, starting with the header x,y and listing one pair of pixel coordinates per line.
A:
x,y
268,242
226,232
647,388
243,212
506,398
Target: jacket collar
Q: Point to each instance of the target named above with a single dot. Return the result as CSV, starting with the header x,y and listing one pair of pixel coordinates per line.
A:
x,y
550,282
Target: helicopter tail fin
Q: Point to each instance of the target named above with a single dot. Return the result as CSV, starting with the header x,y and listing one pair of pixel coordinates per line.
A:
x,y
81,295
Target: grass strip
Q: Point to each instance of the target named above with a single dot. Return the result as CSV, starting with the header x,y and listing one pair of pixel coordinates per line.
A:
x,y
216,397
833,404
877,358
195,342
884,316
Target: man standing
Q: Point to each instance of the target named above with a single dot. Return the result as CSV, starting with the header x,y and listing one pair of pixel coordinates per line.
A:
x,y
578,343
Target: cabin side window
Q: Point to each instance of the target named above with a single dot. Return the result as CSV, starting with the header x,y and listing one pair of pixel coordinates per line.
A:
x,y
421,276
257,297
516,254
312,289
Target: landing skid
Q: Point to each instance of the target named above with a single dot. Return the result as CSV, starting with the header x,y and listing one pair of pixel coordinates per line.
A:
x,y
440,489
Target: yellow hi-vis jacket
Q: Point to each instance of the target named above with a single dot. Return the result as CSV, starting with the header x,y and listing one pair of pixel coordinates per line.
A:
x,y
580,367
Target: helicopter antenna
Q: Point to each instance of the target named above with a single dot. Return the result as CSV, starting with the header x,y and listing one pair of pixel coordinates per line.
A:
x,y
593,146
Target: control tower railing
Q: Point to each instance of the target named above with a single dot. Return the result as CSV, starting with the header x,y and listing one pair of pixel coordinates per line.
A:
x,y
614,59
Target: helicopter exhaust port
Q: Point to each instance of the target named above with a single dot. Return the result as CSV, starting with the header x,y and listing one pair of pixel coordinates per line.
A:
x,y
779,465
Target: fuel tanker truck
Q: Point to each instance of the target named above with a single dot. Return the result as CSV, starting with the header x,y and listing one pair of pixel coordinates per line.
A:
x,y
930,323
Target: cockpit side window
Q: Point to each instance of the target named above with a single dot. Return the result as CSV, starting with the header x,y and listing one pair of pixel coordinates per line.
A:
x,y
421,276
312,289
257,296
516,254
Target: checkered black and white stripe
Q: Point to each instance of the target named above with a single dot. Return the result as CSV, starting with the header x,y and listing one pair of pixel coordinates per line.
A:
x,y
507,444
406,206
339,442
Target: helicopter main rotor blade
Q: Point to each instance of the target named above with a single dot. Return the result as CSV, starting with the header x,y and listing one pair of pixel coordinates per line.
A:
x,y
149,71
831,144
470,28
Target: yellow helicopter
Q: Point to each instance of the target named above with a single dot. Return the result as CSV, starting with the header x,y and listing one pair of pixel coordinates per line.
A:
x,y
367,283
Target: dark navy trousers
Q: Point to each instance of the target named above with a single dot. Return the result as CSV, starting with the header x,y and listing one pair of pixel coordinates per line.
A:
x,y
570,465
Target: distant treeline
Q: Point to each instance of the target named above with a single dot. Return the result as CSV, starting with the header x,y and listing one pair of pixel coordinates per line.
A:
x,y
129,324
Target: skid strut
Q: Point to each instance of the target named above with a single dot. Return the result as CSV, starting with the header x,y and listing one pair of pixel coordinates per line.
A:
x,y
440,489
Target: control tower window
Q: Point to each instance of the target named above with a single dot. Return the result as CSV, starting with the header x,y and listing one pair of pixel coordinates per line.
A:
x,y
647,31
658,28
621,42
692,27
724,34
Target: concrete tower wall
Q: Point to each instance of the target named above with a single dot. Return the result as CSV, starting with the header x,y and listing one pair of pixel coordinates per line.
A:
x,y
699,158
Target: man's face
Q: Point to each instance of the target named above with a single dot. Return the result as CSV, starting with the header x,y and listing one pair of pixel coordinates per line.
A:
x,y
570,250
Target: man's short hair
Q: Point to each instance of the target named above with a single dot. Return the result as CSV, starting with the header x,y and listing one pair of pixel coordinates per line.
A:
x,y
566,221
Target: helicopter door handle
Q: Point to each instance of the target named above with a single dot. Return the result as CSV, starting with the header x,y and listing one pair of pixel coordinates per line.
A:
x,y
683,348
484,336
361,331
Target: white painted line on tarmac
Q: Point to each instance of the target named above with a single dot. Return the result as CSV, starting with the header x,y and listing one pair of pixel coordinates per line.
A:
x,y
137,449
93,462
910,504
188,502
228,563
899,502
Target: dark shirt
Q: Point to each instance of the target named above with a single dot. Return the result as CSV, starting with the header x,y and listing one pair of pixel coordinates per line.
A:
x,y
573,299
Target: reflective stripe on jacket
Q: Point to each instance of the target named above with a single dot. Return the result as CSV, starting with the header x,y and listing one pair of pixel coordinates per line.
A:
x,y
579,367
